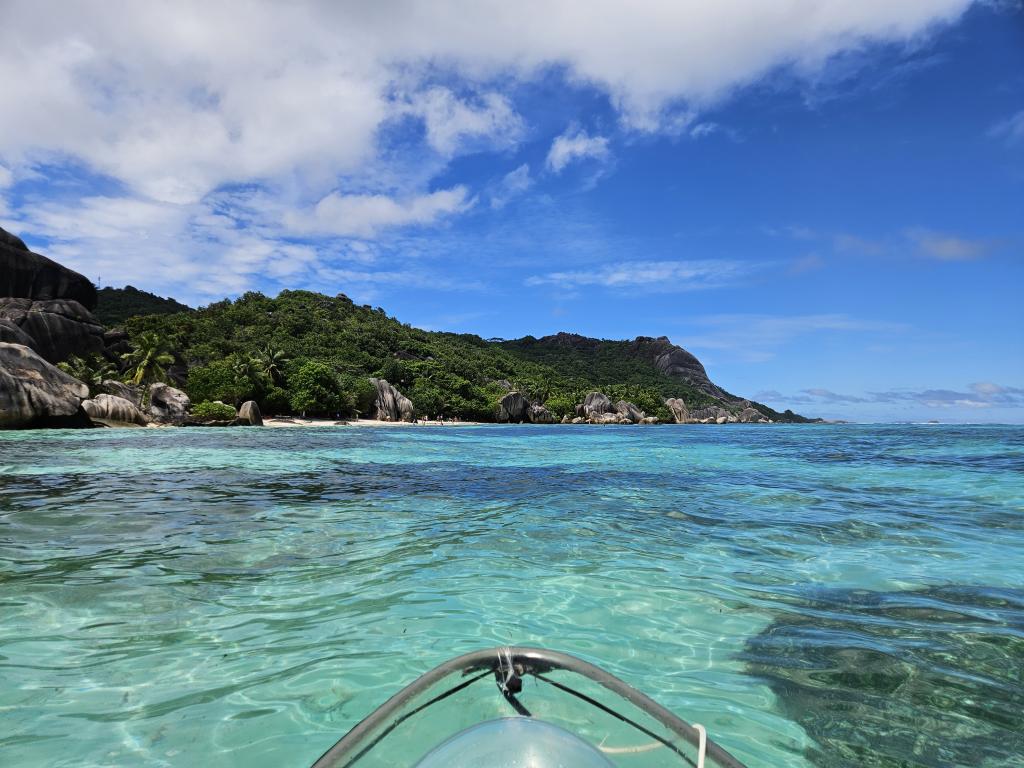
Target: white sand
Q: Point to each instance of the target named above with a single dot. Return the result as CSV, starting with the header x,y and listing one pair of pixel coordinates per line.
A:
x,y
300,422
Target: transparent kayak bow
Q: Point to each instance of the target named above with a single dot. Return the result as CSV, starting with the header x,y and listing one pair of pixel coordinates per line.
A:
x,y
546,705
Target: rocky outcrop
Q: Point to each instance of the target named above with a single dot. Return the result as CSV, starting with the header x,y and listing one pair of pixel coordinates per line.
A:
x,y
28,275
34,393
680,413
596,404
391,405
676,362
11,333
113,411
538,414
249,414
629,412
513,408
119,389
58,328
168,405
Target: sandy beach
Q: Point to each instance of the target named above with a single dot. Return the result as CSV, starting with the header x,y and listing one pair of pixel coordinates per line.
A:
x,y
285,422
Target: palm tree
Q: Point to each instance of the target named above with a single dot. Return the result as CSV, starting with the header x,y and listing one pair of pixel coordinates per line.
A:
x,y
272,362
89,371
148,360
248,369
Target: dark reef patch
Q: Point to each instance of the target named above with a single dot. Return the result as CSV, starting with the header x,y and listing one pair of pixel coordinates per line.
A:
x,y
919,679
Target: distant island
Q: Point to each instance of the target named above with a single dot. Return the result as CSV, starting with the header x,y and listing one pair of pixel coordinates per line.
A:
x,y
74,356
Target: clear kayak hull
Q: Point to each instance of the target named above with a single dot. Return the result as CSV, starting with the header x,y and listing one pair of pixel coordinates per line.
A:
x,y
511,695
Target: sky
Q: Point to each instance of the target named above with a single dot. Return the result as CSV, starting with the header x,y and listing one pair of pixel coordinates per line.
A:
x,y
822,200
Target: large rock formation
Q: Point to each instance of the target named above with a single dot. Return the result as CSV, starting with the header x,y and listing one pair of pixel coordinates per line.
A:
x,y
391,405
120,389
676,362
28,275
34,393
168,405
680,412
629,412
113,411
58,328
538,414
513,408
249,414
596,404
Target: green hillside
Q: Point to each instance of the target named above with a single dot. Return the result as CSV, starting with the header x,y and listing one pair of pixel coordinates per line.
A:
x,y
115,305
298,351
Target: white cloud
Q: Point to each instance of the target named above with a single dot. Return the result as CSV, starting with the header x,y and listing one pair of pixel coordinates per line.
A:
x,y
6,177
576,145
512,184
947,247
757,338
177,101
365,215
1011,129
452,123
649,275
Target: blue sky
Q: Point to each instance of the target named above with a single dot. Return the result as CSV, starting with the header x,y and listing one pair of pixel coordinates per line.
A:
x,y
822,200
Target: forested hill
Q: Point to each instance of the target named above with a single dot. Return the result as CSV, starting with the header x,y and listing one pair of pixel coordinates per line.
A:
x,y
266,348
115,305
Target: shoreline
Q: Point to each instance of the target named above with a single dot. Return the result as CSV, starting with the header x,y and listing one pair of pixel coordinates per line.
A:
x,y
295,422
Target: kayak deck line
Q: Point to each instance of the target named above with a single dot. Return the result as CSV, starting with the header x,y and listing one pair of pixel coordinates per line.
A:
x,y
509,666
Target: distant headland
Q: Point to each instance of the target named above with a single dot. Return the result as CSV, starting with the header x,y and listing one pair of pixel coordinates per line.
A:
x,y
72,356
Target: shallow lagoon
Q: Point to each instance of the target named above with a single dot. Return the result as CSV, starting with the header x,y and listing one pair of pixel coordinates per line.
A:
x,y
815,595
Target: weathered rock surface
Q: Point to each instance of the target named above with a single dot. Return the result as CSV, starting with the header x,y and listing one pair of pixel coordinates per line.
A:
x,y
650,420
513,408
58,328
596,404
119,389
676,362
111,410
709,414
168,405
680,413
538,414
629,412
392,405
28,275
250,414
566,419
34,393
11,333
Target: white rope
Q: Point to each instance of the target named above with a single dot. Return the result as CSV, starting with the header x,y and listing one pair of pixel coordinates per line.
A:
x,y
703,745
505,667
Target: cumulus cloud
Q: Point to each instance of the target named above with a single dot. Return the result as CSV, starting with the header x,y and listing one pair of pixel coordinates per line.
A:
x,y
172,103
452,123
576,145
649,275
365,215
947,247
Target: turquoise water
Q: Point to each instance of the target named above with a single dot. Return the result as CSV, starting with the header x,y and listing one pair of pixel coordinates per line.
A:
x,y
826,596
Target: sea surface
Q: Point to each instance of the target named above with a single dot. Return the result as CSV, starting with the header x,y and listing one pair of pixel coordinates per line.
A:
x,y
815,595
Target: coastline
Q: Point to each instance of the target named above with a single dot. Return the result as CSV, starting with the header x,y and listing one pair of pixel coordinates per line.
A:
x,y
288,423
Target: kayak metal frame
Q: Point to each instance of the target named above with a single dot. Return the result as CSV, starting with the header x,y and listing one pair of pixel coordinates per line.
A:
x,y
526,661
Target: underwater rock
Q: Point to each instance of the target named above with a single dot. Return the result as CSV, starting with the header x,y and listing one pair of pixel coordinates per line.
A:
x,y
936,670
